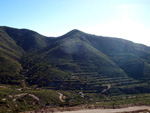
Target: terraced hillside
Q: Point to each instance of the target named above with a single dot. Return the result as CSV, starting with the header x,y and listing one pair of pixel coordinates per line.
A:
x,y
74,61
93,63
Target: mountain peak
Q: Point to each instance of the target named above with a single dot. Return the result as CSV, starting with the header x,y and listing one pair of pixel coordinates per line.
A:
x,y
74,31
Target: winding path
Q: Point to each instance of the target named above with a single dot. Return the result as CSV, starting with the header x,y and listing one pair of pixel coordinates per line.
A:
x,y
23,94
61,97
108,87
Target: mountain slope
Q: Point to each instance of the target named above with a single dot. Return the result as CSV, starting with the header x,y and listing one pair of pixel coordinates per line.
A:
x,y
116,49
79,58
10,53
74,61
14,44
86,63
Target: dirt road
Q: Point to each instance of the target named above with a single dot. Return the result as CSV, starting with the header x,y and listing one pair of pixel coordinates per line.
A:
x,y
134,108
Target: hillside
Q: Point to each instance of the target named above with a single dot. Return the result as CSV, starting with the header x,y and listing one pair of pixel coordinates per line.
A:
x,y
74,62
74,56
10,53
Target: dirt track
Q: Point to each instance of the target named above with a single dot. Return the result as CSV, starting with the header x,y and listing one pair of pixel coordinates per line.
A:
x,y
134,108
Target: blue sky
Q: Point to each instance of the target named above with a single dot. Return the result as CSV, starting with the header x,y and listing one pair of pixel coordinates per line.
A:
x,y
128,19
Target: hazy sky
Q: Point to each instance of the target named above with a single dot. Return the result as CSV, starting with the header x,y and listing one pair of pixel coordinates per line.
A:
x,y
128,19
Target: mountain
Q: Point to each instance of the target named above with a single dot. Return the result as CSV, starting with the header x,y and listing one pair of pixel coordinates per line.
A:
x,y
74,61
14,44
28,40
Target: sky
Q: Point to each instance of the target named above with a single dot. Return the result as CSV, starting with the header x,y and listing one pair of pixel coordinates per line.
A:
x,y
127,19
